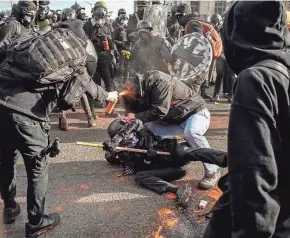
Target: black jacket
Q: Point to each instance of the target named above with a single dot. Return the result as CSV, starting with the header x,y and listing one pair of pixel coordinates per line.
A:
x,y
259,128
15,95
168,99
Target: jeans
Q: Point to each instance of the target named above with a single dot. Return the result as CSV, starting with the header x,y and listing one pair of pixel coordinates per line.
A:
x,y
29,137
193,130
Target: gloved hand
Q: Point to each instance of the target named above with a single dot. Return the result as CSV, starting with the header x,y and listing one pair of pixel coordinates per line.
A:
x,y
129,117
112,96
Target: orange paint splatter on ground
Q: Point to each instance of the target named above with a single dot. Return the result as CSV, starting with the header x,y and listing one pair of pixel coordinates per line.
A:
x,y
164,212
59,209
84,187
170,195
157,234
4,232
214,193
171,223
111,211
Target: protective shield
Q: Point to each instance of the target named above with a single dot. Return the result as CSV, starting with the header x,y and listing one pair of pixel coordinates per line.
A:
x,y
192,56
157,14
92,58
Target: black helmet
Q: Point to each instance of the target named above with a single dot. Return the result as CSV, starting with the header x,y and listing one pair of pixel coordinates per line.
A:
x,y
26,7
144,25
68,13
122,11
216,19
173,9
76,6
99,13
115,127
142,3
182,9
157,2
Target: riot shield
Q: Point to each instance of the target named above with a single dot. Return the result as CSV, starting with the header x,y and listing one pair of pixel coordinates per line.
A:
x,y
92,58
157,14
192,56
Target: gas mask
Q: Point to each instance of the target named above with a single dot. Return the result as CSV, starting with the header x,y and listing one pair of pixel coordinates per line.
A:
x,y
144,36
123,21
181,19
26,20
141,10
99,17
43,11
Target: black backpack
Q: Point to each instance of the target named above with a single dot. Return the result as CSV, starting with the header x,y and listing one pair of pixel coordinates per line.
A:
x,y
43,60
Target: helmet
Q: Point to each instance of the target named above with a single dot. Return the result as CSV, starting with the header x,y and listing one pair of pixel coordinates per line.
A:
x,y
100,4
76,6
173,9
157,2
99,13
68,13
143,3
26,7
122,11
216,19
192,56
115,127
182,9
144,25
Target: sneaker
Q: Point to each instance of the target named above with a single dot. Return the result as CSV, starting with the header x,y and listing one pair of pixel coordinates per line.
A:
x,y
47,223
9,214
92,123
225,95
206,96
184,196
209,181
63,124
215,98
230,100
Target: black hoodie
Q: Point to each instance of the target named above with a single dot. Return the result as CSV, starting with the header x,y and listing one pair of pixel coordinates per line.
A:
x,y
257,203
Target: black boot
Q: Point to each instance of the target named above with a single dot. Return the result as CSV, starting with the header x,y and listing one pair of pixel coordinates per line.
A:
x,y
10,213
62,122
48,222
184,196
88,111
203,93
215,97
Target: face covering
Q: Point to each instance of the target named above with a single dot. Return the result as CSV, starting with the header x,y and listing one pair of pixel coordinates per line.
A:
x,y
99,22
144,36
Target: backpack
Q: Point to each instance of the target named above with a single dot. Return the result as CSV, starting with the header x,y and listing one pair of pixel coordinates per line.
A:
x,y
213,37
46,59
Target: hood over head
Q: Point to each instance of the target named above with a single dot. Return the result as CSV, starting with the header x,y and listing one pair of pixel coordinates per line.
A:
x,y
254,31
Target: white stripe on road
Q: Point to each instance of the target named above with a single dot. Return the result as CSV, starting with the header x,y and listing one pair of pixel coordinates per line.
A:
x,y
107,197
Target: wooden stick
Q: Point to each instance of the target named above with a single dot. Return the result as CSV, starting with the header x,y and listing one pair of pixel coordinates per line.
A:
x,y
122,148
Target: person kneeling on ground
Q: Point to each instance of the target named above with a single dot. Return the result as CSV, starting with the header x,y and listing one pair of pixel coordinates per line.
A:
x,y
173,109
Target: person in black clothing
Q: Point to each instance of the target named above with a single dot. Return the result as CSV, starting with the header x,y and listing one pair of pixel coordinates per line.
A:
x,y
122,43
25,13
100,32
156,96
150,52
69,20
137,16
256,47
24,116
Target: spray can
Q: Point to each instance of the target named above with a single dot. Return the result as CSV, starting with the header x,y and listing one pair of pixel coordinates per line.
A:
x,y
106,44
111,105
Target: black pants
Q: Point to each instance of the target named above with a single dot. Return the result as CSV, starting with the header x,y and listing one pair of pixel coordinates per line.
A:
x,y
230,78
220,75
105,72
24,135
158,179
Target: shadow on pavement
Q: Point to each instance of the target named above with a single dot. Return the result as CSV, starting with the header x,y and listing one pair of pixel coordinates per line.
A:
x,y
94,201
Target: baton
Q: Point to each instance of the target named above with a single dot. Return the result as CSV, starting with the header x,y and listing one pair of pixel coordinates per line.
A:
x,y
122,148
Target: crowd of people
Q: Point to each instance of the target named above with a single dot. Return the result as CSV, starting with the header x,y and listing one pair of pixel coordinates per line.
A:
x,y
50,60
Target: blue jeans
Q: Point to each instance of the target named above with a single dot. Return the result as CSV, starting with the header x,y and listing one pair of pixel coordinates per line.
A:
x,y
193,130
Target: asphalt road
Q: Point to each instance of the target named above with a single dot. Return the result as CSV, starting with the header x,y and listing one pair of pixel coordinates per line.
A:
x,y
95,201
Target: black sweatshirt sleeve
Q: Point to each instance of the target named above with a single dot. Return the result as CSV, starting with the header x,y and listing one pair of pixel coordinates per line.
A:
x,y
253,175
160,97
